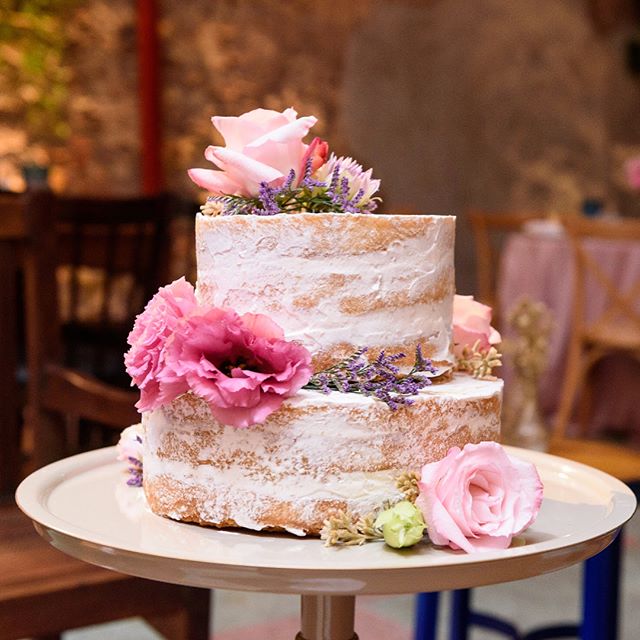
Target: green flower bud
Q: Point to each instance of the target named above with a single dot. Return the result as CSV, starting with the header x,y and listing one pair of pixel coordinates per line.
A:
x,y
402,525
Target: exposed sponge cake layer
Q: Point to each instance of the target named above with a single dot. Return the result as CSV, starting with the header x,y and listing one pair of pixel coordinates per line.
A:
x,y
335,282
318,454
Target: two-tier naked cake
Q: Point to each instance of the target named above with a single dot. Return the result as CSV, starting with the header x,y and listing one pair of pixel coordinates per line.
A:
x,y
315,362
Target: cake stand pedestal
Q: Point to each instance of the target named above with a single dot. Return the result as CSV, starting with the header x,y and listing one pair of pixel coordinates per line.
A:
x,y
82,506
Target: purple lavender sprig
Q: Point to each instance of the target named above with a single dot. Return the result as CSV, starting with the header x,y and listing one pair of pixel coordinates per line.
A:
x,y
311,195
380,378
135,472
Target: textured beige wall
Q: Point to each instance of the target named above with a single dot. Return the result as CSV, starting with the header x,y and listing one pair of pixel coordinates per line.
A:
x,y
494,103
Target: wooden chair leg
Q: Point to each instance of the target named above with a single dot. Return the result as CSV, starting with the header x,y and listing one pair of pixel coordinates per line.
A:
x,y
191,623
48,445
573,378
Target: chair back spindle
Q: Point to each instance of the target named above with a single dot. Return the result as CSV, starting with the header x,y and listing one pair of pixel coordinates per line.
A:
x,y
613,330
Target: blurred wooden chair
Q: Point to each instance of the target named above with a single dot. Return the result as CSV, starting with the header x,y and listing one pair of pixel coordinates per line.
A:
x,y
489,229
614,331
112,254
44,592
12,206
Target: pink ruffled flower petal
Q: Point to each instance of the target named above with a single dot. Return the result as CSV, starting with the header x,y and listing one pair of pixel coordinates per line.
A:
x,y
243,417
145,361
243,374
262,326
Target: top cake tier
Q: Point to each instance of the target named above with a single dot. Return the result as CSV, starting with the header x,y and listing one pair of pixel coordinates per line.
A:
x,y
335,282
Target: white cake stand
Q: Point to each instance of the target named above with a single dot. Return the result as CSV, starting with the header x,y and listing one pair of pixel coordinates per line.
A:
x,y
83,507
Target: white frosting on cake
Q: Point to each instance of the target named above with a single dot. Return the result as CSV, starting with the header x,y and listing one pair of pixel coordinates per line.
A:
x,y
318,453
335,281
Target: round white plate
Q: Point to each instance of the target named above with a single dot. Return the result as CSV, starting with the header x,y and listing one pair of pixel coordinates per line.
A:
x,y
83,506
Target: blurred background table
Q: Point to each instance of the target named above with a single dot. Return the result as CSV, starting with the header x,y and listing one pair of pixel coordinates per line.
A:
x,y
537,264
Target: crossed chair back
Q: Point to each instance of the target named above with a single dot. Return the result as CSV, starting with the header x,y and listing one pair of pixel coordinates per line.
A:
x,y
616,329
489,229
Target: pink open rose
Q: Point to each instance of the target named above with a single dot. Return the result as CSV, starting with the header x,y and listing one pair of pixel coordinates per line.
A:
x,y
471,324
240,365
261,146
151,331
478,498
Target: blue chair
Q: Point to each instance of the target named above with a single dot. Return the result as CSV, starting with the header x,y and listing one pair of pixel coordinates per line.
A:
x,y
600,606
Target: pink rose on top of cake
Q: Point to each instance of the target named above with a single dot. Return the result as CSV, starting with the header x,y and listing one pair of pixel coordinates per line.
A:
x,y
262,147
146,357
471,324
478,498
241,365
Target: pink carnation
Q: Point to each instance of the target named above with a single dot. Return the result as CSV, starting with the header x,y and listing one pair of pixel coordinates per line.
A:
x,y
148,338
261,146
471,324
240,365
478,498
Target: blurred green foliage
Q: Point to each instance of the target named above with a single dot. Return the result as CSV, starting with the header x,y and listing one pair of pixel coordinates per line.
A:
x,y
34,75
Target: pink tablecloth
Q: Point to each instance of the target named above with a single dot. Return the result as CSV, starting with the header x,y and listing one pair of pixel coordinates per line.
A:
x,y
540,267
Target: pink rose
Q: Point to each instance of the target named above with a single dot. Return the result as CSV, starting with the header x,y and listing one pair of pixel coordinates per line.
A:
x,y
151,331
261,146
632,169
240,365
478,498
472,323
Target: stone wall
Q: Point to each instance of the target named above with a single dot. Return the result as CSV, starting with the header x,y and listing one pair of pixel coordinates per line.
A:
x,y
507,104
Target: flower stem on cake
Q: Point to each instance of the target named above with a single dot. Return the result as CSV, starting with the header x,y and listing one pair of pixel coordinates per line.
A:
x,y
343,529
266,168
474,338
381,378
480,363
407,482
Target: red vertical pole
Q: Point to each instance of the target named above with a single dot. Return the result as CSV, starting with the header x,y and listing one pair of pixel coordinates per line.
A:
x,y
149,98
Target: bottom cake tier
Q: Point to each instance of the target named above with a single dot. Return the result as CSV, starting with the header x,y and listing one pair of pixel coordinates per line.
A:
x,y
315,456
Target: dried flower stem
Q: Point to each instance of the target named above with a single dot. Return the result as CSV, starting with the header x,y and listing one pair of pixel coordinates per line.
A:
x,y
407,482
479,363
344,529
